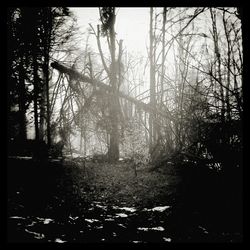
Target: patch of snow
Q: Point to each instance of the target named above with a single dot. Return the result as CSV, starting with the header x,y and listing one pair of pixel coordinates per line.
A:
x,y
17,217
44,220
109,219
73,218
203,229
160,209
31,224
47,221
114,234
99,227
40,219
121,225
100,206
143,228
151,228
128,209
59,240
157,209
167,239
136,241
91,220
157,228
121,215
36,235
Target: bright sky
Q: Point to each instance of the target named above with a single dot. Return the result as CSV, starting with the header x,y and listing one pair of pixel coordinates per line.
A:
x,y
132,25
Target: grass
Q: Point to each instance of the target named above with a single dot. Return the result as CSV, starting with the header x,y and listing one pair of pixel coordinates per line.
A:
x,y
199,199
118,184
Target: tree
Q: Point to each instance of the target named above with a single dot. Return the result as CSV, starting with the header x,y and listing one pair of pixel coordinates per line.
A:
x,y
33,34
107,15
152,116
16,71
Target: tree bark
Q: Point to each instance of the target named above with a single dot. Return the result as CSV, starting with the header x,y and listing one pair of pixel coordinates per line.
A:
x,y
163,52
35,84
21,102
113,151
228,109
152,115
47,42
218,59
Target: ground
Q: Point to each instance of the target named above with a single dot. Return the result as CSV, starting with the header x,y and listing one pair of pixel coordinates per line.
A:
x,y
98,202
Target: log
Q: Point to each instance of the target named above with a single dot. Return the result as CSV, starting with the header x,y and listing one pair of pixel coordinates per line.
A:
x,y
107,89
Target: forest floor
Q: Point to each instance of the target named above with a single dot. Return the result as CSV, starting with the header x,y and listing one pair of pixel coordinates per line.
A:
x,y
105,202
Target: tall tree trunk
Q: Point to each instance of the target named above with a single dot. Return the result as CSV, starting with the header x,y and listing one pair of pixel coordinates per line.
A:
x,y
48,29
107,15
21,102
114,135
218,60
152,135
163,52
160,120
36,91
228,110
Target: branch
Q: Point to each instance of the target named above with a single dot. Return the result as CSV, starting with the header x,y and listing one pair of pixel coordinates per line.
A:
x,y
107,90
100,48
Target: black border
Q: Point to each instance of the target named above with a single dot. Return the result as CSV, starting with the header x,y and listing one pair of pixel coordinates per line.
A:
x,y
93,3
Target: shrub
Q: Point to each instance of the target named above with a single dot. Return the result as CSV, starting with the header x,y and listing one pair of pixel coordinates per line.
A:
x,y
134,145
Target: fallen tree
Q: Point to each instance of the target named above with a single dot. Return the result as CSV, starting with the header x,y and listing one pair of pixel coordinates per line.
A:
x,y
106,89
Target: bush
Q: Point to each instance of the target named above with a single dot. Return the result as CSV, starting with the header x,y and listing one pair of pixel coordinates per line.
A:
x,y
134,145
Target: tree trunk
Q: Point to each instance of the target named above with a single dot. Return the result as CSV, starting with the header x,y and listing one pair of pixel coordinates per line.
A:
x,y
228,109
163,52
42,114
48,28
114,135
152,134
35,83
218,59
21,102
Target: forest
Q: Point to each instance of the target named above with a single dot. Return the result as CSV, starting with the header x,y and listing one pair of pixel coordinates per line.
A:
x,y
124,124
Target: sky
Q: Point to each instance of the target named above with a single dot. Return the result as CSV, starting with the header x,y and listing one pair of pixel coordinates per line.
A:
x,y
132,25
